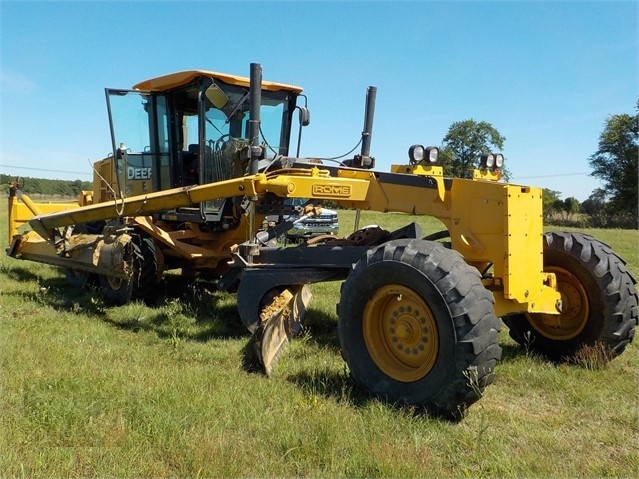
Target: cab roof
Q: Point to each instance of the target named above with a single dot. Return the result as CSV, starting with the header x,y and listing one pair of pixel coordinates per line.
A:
x,y
177,79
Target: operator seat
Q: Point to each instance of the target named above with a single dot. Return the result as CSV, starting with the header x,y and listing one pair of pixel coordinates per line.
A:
x,y
190,164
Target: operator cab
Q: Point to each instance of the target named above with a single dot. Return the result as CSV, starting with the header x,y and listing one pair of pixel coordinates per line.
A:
x,y
191,128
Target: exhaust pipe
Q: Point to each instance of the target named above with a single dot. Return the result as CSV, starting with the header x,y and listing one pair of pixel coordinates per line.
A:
x,y
369,114
255,153
255,99
364,159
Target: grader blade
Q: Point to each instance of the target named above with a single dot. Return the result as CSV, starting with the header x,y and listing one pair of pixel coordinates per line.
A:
x,y
281,320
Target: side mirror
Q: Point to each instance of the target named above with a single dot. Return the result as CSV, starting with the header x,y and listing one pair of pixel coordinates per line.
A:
x,y
305,115
216,96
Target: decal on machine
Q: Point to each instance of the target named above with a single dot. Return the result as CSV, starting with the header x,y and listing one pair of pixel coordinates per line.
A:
x,y
133,173
319,189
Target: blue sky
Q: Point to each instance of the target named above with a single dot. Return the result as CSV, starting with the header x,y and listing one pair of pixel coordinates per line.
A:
x,y
545,74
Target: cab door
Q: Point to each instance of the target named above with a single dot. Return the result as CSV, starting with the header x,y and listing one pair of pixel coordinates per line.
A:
x,y
140,141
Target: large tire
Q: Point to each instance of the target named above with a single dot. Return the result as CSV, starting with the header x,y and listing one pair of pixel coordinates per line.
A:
x,y
141,254
417,326
599,300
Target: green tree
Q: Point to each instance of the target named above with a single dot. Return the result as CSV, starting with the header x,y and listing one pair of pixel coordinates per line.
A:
x,y
558,207
464,144
615,163
552,202
595,204
571,206
595,207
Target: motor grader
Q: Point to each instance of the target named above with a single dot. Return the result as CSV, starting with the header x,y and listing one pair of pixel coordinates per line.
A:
x,y
200,159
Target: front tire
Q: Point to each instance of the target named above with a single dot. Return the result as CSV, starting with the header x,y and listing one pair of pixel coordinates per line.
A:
x,y
599,300
417,326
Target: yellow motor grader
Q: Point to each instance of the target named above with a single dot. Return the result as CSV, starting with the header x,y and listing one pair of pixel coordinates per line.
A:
x,y
200,160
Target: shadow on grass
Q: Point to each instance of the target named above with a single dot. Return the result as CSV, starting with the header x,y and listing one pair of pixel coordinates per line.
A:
x,y
55,292
186,309
193,310
20,274
321,330
340,387
511,351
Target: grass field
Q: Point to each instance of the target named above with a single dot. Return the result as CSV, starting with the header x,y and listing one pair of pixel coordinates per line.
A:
x,y
171,390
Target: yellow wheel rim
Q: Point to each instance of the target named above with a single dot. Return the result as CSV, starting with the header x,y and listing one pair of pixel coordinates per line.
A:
x,y
400,333
574,312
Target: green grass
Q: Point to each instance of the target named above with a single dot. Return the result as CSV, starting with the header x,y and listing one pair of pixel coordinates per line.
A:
x,y
172,390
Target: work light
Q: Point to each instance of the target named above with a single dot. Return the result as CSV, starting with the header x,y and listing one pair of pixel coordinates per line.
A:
x,y
491,161
418,154
487,161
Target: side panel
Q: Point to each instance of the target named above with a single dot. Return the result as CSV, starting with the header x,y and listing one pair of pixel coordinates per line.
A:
x,y
502,225
524,263
478,222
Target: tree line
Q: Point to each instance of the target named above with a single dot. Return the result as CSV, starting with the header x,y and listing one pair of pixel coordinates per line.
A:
x,y
47,187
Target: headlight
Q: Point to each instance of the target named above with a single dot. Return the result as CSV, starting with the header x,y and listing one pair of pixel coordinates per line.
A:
x,y
418,154
487,161
432,154
491,161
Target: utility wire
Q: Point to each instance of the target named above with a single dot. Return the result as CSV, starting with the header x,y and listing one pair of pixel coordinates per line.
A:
x,y
45,169
547,176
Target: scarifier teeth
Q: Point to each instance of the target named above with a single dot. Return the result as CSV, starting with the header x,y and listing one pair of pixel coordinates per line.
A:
x,y
277,305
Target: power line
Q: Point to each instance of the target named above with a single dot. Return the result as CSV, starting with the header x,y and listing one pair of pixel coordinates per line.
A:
x,y
548,176
45,169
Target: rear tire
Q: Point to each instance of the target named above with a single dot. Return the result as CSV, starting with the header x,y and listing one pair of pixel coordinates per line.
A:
x,y
142,257
77,279
417,326
599,300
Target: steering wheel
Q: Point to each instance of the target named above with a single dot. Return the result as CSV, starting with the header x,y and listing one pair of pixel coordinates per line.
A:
x,y
221,142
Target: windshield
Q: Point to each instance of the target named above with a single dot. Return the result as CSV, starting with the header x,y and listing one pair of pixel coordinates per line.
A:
x,y
226,128
224,123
